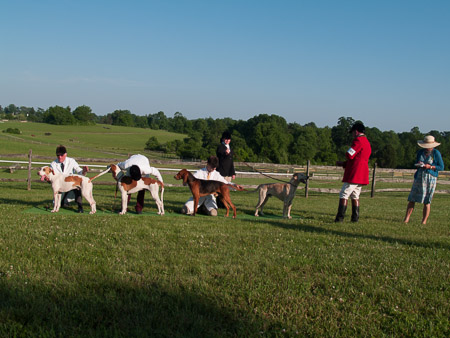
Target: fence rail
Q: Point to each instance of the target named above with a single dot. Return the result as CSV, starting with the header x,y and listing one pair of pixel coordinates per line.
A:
x,y
280,171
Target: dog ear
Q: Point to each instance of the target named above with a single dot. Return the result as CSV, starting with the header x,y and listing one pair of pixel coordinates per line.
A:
x,y
185,176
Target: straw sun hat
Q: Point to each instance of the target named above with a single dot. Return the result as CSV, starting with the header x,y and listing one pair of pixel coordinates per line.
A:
x,y
428,142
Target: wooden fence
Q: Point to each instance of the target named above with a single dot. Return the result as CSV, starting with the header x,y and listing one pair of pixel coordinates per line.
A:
x,y
281,172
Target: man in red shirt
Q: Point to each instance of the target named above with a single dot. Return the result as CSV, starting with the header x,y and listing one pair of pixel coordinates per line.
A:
x,y
356,172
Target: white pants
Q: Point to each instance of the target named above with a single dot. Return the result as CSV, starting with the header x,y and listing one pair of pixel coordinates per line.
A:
x,y
350,190
209,202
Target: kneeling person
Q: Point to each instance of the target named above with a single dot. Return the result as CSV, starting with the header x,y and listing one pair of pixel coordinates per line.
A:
x,y
206,202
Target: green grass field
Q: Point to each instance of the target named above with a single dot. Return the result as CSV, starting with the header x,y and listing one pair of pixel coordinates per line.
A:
x,y
98,141
105,275
146,275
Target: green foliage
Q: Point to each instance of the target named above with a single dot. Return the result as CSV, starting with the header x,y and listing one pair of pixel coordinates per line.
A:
x,y
122,118
59,116
263,138
12,131
153,144
84,115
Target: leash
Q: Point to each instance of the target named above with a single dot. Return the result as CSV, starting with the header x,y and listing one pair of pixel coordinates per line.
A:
x,y
261,173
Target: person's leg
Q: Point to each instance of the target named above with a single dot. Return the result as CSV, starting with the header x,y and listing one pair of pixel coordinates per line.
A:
x,y
426,212
409,210
78,200
355,210
211,205
343,200
355,203
341,210
140,201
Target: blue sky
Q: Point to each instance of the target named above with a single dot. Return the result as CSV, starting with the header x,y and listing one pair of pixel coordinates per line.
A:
x,y
386,63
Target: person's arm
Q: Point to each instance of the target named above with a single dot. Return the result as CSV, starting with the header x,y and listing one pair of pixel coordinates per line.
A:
x,y
79,170
220,152
354,149
233,172
122,165
438,164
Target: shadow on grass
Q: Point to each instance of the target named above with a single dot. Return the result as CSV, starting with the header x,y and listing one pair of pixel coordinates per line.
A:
x,y
104,308
387,239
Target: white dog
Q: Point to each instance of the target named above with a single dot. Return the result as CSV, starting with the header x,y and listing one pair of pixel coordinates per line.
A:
x,y
128,186
64,183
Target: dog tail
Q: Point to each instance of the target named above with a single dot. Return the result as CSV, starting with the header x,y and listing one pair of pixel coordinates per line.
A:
x,y
102,173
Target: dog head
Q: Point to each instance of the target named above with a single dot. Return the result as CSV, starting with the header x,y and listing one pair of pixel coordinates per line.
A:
x,y
298,178
45,173
115,171
183,174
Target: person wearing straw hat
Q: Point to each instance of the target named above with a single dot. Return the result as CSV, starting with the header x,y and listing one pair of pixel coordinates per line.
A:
x,y
356,172
428,162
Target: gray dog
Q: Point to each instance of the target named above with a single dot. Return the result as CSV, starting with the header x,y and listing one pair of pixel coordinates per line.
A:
x,y
284,191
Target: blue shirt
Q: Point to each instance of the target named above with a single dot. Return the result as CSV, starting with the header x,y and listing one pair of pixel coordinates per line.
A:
x,y
435,159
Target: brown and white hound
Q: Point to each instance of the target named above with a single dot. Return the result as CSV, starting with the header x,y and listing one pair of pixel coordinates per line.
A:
x,y
64,183
128,186
208,187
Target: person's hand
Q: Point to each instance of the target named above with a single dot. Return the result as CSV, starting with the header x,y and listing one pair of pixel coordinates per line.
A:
x,y
227,151
85,169
233,177
427,166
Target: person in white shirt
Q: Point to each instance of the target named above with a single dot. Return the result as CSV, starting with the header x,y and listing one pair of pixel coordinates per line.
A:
x,y
145,170
208,202
68,166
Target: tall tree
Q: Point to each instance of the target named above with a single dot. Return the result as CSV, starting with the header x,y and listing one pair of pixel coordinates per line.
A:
x,y
83,115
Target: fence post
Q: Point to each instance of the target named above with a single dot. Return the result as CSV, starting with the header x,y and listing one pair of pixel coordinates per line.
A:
x,y
373,180
307,180
29,169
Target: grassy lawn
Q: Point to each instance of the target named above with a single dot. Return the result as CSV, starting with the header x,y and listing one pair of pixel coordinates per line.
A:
x,y
105,275
145,275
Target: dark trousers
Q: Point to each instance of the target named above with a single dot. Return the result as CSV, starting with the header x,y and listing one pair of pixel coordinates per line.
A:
x,y
78,198
139,200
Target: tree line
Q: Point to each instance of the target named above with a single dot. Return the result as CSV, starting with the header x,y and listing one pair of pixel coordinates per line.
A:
x,y
262,138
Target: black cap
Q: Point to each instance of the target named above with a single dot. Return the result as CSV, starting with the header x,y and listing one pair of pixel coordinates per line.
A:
x,y
358,126
226,135
135,172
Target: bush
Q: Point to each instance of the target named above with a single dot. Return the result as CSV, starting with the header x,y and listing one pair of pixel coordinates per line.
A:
x,y
12,131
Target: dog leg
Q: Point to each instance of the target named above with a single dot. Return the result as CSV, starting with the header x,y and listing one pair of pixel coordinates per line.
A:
x,y
162,201
154,190
124,202
87,194
262,196
57,202
196,198
263,204
287,210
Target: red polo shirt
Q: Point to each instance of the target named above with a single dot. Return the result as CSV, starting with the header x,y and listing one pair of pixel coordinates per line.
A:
x,y
357,164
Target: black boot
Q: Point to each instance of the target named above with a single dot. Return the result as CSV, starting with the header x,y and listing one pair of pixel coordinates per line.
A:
x,y
355,210
341,210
